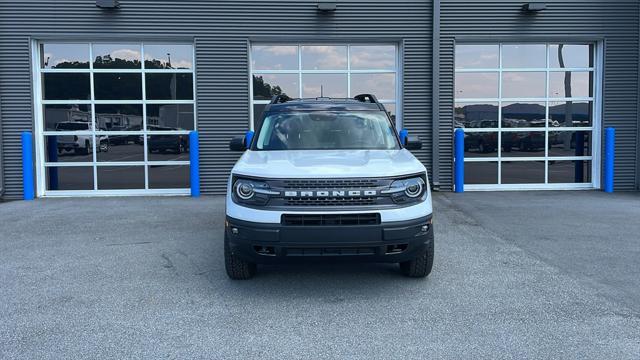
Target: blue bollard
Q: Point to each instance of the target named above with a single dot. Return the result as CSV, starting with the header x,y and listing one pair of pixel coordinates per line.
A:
x,y
609,158
459,160
194,158
27,166
248,137
403,136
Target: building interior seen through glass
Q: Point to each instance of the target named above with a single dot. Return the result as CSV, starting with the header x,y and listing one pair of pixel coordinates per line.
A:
x,y
527,111
116,116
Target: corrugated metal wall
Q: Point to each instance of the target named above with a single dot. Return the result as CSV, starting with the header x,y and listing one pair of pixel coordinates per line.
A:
x,y
221,30
1,170
615,22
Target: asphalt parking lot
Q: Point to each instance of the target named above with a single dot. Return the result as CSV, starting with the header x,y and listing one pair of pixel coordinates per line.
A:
x,y
516,275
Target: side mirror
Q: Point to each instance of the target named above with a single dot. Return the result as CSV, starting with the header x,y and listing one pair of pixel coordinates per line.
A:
x,y
248,137
237,144
412,143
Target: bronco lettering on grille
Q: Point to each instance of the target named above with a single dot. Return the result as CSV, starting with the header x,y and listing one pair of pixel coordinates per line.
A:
x,y
331,193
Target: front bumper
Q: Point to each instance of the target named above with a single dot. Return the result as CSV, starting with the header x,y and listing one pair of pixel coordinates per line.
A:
x,y
385,242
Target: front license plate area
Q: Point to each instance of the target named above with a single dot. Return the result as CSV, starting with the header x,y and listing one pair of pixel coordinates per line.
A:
x,y
329,235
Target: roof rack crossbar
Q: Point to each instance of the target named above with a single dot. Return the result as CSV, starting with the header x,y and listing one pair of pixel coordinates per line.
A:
x,y
279,99
366,98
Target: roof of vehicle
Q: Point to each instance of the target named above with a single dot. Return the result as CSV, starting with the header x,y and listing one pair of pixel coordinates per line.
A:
x,y
364,102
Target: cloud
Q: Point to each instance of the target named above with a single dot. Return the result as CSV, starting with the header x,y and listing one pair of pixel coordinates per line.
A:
x,y
278,50
326,57
126,54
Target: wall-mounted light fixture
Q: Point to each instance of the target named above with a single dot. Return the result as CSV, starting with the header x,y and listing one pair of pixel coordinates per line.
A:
x,y
327,6
534,6
107,4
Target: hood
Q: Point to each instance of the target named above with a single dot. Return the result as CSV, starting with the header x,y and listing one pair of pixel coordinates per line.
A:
x,y
327,163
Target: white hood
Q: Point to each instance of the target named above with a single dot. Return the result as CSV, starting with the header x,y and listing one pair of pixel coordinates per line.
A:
x,y
327,163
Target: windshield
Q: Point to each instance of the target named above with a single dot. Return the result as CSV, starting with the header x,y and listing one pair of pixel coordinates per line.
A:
x,y
326,130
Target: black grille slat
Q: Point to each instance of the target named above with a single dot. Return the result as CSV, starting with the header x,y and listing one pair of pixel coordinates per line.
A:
x,y
329,201
329,183
330,251
330,219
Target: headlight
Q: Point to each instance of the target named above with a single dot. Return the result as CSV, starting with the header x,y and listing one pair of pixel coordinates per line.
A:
x,y
407,190
244,190
251,192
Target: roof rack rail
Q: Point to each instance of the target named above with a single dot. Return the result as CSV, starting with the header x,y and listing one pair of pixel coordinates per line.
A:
x,y
279,99
366,98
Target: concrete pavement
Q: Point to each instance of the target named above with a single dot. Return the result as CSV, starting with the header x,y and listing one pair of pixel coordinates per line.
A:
x,y
144,278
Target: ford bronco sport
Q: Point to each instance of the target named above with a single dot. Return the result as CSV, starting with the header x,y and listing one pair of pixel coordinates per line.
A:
x,y
327,178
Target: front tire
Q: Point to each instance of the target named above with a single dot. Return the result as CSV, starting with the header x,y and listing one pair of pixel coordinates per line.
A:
x,y
420,266
237,268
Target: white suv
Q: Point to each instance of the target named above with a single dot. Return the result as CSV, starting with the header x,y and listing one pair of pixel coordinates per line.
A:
x,y
327,178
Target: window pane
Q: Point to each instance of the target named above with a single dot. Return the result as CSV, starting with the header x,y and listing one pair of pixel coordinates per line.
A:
x,y
570,56
268,57
523,144
257,115
64,56
327,85
523,85
116,117
524,56
68,148
72,117
168,147
476,85
391,110
120,177
571,113
477,57
169,177
116,56
518,115
174,116
480,144
476,115
70,178
480,172
324,57
120,149
165,56
578,171
578,84
383,86
522,172
266,86
122,86
169,86
373,57
570,143
66,86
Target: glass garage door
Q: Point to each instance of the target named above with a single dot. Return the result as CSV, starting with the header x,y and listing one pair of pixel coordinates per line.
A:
x,y
114,117
330,70
529,112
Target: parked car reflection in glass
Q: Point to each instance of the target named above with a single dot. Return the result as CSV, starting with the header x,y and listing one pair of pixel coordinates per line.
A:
x,y
176,143
79,144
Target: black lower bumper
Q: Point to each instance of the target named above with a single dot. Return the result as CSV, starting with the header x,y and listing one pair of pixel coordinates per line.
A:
x,y
385,242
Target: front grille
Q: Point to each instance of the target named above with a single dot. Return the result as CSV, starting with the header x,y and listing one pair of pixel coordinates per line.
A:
x,y
329,183
330,219
329,186
329,201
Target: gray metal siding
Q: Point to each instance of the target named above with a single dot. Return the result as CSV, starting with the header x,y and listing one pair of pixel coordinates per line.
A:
x,y
1,170
221,30
614,21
